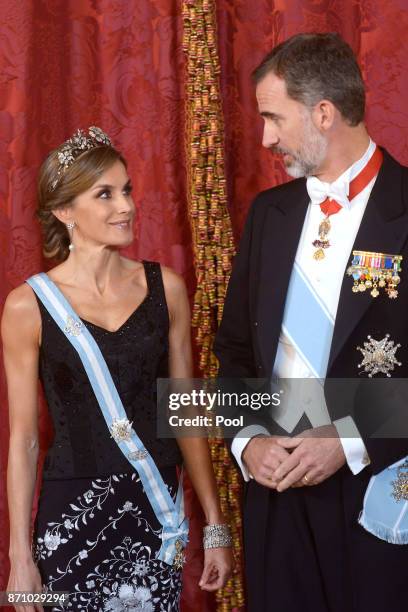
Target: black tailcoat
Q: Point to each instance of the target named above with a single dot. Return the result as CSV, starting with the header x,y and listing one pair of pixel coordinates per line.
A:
x,y
304,548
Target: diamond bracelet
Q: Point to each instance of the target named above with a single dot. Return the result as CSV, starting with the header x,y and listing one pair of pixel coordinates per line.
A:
x,y
217,536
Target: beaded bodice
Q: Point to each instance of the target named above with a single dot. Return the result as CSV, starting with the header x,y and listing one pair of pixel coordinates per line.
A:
x,y
136,355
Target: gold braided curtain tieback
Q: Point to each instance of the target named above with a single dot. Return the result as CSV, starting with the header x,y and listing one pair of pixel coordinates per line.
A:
x,y
212,238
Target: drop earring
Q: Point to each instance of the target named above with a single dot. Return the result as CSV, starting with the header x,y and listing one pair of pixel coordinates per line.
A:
x,y
70,228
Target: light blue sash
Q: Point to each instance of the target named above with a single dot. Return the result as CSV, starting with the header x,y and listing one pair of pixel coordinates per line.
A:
x,y
385,510
309,326
170,514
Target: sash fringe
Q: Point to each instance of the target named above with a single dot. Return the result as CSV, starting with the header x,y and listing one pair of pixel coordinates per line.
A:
x,y
383,532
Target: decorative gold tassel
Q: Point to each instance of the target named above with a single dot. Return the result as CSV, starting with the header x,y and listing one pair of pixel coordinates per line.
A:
x,y
213,241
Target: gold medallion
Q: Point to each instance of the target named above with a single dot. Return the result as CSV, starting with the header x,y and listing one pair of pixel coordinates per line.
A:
x,y
324,228
179,558
322,242
319,254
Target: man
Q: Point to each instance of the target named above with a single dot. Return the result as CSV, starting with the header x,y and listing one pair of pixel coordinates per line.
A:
x,y
292,310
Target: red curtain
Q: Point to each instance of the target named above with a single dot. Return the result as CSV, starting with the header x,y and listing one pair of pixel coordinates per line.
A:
x,y
119,64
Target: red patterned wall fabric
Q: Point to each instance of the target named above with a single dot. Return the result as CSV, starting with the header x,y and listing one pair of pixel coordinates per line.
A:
x,y
119,64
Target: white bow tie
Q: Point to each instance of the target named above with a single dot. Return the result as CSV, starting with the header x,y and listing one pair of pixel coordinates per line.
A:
x,y
319,191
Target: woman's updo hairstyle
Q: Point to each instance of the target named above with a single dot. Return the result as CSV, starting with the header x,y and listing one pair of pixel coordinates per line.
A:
x,y
60,182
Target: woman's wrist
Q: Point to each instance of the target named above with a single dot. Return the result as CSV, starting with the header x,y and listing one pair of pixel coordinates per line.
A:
x,y
215,517
20,555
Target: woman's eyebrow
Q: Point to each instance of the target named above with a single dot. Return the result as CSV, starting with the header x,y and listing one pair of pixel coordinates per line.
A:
x,y
107,186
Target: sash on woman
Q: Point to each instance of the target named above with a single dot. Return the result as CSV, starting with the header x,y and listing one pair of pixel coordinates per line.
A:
x,y
169,513
309,326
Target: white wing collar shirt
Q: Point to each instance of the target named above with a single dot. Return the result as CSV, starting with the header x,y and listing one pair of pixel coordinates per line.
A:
x,y
326,277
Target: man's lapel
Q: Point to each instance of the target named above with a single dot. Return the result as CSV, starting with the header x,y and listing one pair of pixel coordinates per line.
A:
x,y
279,242
384,229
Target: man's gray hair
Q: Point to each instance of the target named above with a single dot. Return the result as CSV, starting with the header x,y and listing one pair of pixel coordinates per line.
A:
x,y
318,67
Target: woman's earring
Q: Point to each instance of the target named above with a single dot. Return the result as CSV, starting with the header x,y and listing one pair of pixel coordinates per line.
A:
x,y
70,228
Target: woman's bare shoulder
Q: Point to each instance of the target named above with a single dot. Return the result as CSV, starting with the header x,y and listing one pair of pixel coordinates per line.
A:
x,y
176,295
21,309
21,300
172,281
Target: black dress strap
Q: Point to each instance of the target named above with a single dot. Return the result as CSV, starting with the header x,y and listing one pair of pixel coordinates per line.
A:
x,y
155,285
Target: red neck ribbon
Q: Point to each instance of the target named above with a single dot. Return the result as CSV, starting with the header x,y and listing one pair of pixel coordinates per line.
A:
x,y
360,182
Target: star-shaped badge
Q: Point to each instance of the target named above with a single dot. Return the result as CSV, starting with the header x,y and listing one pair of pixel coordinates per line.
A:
x,y
400,485
379,356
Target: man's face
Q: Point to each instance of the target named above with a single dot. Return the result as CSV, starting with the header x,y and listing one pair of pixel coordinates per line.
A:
x,y
289,129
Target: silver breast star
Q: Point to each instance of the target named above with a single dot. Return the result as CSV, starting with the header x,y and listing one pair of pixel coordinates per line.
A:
x,y
121,430
379,356
73,327
400,485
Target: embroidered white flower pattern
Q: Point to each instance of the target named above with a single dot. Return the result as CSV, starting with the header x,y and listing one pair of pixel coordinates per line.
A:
x,y
128,577
141,568
88,496
52,541
81,514
131,598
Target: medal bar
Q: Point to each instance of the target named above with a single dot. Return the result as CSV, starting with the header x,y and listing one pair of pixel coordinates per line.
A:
x,y
375,271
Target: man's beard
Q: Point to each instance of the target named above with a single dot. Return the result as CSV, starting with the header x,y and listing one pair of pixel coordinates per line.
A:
x,y
310,154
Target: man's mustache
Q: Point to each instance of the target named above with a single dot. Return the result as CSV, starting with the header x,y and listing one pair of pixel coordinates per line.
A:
x,y
280,151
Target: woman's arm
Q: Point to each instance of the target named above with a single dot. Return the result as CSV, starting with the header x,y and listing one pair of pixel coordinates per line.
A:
x,y
20,330
195,450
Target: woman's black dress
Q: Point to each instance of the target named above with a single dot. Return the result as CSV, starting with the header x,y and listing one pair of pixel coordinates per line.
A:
x,y
96,535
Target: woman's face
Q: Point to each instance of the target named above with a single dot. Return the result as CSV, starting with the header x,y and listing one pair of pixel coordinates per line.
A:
x,y
103,214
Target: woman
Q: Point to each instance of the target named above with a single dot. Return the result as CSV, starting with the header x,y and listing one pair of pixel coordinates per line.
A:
x,y
110,528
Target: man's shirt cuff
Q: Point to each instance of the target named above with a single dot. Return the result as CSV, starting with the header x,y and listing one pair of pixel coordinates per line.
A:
x,y
352,443
240,442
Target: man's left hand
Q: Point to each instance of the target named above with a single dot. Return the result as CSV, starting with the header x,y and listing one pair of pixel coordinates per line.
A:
x,y
315,455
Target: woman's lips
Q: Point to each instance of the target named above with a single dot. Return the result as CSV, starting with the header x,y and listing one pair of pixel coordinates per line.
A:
x,y
121,225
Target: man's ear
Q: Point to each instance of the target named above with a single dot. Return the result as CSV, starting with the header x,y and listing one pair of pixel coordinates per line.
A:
x,y
324,115
63,214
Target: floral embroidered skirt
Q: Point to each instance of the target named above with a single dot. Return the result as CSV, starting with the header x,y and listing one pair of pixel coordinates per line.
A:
x,y
97,539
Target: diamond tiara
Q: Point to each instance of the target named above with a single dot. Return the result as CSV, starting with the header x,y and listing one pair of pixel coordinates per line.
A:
x,y
72,148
